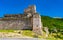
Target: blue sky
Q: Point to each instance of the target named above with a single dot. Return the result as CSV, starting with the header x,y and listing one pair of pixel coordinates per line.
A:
x,y
52,8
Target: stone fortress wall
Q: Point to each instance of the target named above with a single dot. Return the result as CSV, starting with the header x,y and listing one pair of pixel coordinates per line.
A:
x,y
29,20
15,24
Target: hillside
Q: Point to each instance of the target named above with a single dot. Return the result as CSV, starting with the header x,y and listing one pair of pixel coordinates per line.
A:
x,y
52,23
55,25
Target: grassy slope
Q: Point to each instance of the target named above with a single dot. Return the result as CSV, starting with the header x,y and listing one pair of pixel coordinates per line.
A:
x,y
52,23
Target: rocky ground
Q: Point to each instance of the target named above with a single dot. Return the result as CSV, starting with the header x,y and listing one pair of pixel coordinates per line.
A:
x,y
12,35
18,34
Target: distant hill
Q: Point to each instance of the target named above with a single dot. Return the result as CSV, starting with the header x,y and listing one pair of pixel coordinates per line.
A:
x,y
52,23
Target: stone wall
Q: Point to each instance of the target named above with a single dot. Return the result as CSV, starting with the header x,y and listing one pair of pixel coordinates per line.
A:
x,y
15,24
29,20
37,25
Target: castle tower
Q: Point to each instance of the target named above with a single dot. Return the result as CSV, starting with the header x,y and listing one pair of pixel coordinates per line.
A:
x,y
35,20
37,24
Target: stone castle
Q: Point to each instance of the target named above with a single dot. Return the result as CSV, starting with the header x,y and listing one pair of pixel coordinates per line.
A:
x,y
29,20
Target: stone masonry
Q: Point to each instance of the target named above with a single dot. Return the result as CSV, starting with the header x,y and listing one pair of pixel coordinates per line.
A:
x,y
29,20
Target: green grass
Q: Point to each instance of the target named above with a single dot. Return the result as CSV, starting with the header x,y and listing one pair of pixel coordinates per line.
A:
x,y
7,30
27,33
